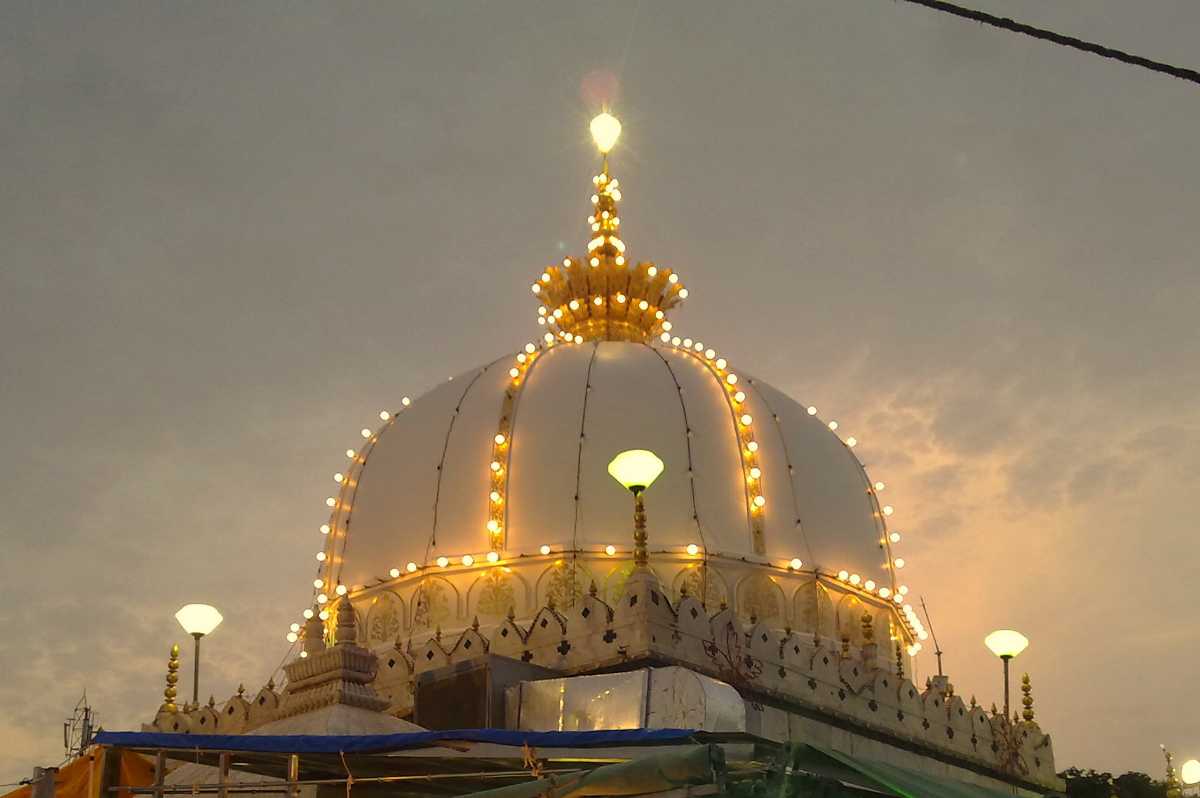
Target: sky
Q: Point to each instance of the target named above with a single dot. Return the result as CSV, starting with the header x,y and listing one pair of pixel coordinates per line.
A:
x,y
233,232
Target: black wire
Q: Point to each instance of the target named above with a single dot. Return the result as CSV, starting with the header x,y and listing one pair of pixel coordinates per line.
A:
x,y
1057,38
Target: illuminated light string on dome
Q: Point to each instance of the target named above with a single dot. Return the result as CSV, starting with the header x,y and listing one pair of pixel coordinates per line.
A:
x,y
755,490
340,507
756,500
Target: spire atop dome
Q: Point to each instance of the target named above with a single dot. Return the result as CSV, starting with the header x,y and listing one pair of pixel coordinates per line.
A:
x,y
600,297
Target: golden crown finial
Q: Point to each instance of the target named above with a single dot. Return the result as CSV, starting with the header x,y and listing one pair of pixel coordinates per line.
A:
x,y
868,628
1174,790
1027,700
172,679
601,297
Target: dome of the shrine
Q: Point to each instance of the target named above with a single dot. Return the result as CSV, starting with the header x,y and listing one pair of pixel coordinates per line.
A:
x,y
425,486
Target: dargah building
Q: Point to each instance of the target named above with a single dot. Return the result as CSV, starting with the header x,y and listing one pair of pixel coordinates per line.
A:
x,y
609,562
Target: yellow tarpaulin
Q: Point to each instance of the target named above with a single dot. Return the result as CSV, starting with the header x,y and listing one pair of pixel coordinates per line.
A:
x,y
82,777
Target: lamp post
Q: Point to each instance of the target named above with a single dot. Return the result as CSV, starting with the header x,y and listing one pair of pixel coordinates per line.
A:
x,y
197,620
1006,644
636,470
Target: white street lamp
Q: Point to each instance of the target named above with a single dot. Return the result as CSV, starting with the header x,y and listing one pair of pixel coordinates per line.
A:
x,y
197,620
636,470
1006,644
1190,772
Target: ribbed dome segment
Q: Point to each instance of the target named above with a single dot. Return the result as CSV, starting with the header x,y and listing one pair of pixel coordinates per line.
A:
x,y
425,485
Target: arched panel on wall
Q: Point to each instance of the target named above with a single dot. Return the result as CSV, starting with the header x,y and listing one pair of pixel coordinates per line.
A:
x,y
435,603
386,618
761,599
564,583
704,584
494,593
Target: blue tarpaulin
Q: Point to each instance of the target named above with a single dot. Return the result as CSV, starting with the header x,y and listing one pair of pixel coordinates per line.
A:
x,y
382,743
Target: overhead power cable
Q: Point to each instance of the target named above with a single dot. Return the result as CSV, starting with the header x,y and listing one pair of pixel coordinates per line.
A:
x,y
1005,23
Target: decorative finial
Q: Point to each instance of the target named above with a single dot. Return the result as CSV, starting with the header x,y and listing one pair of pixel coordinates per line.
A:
x,y
437,633
899,660
1174,790
475,623
592,590
512,613
753,616
845,645
212,702
172,679
1027,700
601,297
868,628
346,633
994,710
683,590
973,702
550,602
241,691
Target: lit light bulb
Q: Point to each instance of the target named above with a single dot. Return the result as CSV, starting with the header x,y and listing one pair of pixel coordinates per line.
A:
x,y
468,560
759,500
338,477
384,415
331,502
683,293
879,486
722,363
693,549
699,347
395,572
606,129
888,509
752,446
495,497
492,556
869,584
405,401
739,396
578,339
675,341
324,529
411,567
513,372
666,325
852,441
620,259
443,562
731,379
643,305
747,419
573,304
899,562
709,354
324,616
812,411
340,590
366,433
674,278
843,575
303,655
687,342
755,472
894,537
598,301
292,637
320,556
903,590
499,439
653,270
308,614
796,563
884,592
833,425
493,525
318,583
665,337
610,550
594,261
322,598
545,549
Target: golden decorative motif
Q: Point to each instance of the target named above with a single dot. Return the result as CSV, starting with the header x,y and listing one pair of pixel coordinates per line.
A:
x,y
431,604
385,619
495,593
564,584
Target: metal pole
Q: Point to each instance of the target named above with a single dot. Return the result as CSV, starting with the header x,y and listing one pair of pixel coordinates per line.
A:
x,y
1007,714
196,673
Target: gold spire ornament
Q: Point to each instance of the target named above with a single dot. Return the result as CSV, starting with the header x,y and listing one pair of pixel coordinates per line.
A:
x,y
1174,788
172,679
600,297
1027,699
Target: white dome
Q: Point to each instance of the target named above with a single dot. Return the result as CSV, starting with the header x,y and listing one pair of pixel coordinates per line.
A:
x,y
421,487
